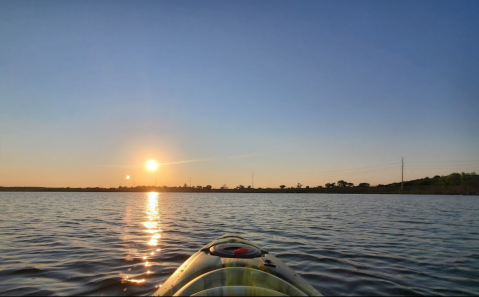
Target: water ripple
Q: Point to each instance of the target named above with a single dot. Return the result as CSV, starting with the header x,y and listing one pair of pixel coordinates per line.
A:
x,y
129,243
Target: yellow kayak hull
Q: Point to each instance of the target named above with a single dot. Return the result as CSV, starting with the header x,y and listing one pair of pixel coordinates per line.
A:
x,y
234,266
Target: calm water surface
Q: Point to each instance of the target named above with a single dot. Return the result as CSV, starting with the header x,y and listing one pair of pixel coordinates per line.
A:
x,y
129,243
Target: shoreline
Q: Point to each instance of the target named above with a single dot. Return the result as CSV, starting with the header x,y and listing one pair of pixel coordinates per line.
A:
x,y
369,190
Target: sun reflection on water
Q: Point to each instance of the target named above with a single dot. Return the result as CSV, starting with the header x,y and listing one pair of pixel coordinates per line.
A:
x,y
152,226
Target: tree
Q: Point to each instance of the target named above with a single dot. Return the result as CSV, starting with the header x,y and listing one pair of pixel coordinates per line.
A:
x,y
299,186
185,185
249,187
364,185
342,184
454,179
330,185
443,181
240,187
282,187
208,187
426,181
199,187
349,185
468,178
224,187
307,187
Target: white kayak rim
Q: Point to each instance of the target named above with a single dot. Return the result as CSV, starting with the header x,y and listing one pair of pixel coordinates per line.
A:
x,y
234,266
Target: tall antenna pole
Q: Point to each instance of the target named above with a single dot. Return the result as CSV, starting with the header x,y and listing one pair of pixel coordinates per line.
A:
x,y
252,179
190,182
402,173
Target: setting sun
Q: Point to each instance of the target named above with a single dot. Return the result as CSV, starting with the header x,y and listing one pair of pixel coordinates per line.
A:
x,y
151,165
127,177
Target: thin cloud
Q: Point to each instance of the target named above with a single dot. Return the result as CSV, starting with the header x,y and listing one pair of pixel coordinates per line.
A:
x,y
189,161
212,159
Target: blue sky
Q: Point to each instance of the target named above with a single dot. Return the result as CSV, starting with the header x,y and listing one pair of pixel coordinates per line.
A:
x,y
296,91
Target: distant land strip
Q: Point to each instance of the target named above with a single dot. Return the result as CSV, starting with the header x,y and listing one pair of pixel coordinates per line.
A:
x,y
452,184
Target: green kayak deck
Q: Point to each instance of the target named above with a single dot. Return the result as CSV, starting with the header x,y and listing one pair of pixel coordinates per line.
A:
x,y
233,266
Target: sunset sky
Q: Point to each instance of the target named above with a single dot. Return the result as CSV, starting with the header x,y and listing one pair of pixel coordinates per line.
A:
x,y
297,91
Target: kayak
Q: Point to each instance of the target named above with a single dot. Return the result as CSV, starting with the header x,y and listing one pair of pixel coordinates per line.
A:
x,y
234,266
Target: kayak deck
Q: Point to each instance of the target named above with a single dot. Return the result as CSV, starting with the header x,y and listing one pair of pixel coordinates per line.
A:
x,y
233,266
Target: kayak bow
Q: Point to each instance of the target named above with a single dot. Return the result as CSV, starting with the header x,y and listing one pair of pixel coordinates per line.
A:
x,y
233,266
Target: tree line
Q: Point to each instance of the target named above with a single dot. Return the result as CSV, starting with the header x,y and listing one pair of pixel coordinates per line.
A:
x,y
454,183
339,184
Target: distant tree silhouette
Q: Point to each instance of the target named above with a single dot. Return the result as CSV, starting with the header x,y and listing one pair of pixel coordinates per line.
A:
x,y
453,179
454,183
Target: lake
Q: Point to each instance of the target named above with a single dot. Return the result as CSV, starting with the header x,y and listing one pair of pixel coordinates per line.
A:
x,y
129,243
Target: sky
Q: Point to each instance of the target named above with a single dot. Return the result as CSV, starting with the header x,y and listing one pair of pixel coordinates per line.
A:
x,y
236,92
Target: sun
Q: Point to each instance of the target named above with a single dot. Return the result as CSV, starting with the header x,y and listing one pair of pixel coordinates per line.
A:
x,y
127,177
151,165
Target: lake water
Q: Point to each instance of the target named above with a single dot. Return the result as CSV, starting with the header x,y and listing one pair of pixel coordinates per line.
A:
x,y
129,243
